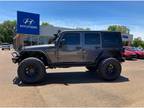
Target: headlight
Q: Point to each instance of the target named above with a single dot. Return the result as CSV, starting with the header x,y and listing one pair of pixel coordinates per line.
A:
x,y
15,54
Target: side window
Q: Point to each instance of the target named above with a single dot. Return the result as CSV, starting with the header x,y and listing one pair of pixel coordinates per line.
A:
x,y
92,38
71,38
111,39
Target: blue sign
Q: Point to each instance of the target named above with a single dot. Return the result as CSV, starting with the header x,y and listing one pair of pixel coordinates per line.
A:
x,y
27,23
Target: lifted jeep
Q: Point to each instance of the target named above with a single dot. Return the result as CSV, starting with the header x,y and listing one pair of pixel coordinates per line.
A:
x,y
98,51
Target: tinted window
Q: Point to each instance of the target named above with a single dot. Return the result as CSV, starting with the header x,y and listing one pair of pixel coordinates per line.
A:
x,y
110,39
71,38
92,38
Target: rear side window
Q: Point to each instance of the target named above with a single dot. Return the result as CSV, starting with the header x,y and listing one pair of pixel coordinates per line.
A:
x,y
71,38
92,38
110,40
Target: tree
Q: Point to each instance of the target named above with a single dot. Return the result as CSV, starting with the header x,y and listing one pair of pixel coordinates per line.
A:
x,y
7,31
138,42
119,28
142,44
44,24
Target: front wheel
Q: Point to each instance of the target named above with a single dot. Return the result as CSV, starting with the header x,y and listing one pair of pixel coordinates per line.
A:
x,y
31,70
110,69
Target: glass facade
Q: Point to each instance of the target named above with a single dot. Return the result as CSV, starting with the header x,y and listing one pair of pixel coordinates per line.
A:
x,y
29,40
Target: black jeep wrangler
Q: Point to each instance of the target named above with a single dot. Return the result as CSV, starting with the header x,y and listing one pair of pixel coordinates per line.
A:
x,y
98,51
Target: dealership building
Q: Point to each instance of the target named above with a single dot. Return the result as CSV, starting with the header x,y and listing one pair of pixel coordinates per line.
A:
x,y
46,32
127,39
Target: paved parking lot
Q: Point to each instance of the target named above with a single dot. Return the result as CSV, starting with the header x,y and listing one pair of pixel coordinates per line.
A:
x,y
72,87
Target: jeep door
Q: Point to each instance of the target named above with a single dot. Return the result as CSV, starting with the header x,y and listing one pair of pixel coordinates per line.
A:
x,y
70,47
91,46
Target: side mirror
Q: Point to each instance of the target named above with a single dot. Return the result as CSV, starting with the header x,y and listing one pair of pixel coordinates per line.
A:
x,y
55,34
62,42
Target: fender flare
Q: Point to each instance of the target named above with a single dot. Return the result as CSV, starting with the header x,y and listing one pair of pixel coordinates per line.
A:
x,y
101,57
23,55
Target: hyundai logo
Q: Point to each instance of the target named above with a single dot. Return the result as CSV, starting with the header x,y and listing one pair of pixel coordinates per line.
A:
x,y
28,21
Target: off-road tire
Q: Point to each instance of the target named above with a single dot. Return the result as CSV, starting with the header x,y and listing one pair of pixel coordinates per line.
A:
x,y
38,73
104,69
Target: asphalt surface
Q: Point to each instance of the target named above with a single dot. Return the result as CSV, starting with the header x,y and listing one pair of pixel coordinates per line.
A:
x,y
72,87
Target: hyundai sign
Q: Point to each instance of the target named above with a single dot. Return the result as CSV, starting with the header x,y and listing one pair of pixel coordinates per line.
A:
x,y
27,23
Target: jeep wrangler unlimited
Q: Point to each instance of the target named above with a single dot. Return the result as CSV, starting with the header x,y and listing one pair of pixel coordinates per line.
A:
x,y
98,51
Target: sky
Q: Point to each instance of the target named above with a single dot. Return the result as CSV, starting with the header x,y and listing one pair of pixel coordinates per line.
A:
x,y
96,15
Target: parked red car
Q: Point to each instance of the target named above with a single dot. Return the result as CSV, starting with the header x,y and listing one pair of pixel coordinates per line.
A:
x,y
129,55
139,53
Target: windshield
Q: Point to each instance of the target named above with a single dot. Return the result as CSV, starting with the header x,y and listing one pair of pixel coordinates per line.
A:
x,y
130,48
138,49
134,49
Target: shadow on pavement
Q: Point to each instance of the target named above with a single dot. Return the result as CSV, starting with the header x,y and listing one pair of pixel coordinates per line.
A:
x,y
67,78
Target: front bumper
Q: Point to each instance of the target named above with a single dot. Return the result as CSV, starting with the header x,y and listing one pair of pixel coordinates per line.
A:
x,y
141,56
15,57
134,56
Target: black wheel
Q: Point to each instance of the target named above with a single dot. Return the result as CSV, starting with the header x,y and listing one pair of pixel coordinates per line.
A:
x,y
31,70
91,68
110,69
2,49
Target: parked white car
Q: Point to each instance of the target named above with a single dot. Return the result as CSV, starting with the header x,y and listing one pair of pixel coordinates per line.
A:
x,y
5,46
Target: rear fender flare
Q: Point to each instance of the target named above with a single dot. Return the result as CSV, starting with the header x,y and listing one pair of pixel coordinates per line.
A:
x,y
101,57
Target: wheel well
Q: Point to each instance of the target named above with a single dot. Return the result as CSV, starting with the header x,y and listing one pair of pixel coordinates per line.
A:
x,y
107,54
35,54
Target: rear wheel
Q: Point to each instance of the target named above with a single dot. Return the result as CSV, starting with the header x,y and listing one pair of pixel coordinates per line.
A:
x,y
110,69
2,49
31,70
